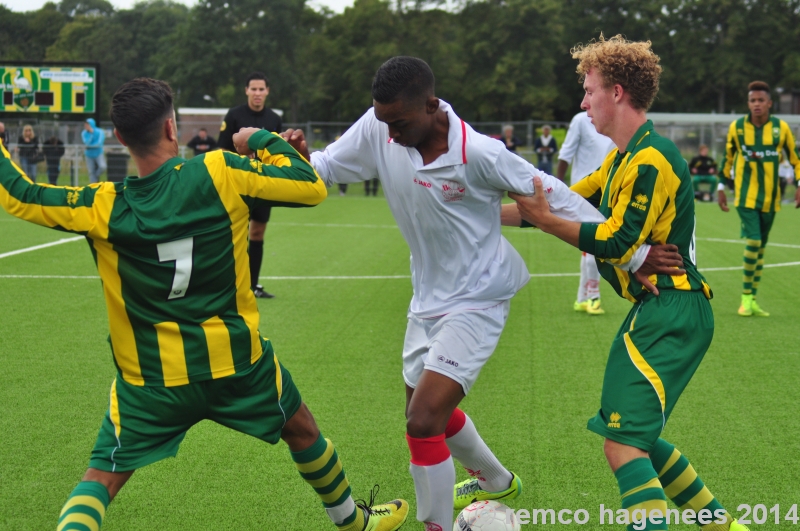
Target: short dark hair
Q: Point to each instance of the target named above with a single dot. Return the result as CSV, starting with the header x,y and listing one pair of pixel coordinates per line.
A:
x,y
758,85
204,129
256,75
408,78
138,110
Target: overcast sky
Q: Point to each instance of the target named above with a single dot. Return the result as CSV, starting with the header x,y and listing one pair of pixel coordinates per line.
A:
x,y
32,5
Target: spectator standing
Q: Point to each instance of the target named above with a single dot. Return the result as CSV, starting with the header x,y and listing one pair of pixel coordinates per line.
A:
x,y
28,151
93,139
254,113
511,141
786,174
545,148
3,134
586,149
704,170
53,149
202,143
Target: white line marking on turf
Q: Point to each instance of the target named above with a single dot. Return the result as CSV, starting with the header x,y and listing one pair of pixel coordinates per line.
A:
x,y
42,246
384,277
769,244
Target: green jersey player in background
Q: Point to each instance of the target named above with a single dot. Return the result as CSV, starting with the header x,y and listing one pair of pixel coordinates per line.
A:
x,y
752,155
171,249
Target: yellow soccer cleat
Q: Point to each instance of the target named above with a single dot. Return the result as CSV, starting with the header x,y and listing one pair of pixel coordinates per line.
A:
x,y
593,307
736,526
388,516
580,306
746,309
469,491
757,311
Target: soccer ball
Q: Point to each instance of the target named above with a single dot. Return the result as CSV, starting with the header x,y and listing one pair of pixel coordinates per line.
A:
x,y
487,516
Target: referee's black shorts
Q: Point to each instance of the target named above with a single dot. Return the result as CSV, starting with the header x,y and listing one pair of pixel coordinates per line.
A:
x,y
261,214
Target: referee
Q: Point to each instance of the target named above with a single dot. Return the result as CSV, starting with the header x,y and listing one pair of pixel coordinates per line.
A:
x,y
253,114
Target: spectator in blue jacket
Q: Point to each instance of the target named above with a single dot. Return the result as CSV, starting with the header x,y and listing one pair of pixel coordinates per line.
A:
x,y
93,139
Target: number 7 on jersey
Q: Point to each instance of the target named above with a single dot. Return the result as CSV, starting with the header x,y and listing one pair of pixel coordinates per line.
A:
x,y
180,252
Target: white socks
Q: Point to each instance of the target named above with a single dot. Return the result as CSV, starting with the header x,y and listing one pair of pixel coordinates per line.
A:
x,y
468,448
434,485
589,287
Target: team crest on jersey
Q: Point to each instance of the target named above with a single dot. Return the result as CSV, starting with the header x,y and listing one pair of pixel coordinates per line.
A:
x,y
776,131
72,197
453,191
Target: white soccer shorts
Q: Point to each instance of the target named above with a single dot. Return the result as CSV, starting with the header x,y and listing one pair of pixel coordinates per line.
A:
x,y
456,345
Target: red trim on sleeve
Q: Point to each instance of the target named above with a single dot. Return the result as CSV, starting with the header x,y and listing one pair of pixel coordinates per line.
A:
x,y
463,142
428,452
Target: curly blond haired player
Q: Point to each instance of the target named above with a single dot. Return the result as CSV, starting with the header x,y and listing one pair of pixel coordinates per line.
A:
x,y
645,191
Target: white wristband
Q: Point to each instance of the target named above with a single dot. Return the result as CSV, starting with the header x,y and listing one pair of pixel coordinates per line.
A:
x,y
720,187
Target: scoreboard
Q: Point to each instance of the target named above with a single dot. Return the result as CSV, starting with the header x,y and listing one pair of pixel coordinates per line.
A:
x,y
48,88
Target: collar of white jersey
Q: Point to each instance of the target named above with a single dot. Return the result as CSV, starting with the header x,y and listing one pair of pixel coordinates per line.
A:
x,y
456,141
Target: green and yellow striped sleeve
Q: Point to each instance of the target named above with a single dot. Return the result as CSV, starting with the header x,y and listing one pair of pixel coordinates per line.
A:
x,y
731,149
791,149
591,186
84,210
278,176
641,199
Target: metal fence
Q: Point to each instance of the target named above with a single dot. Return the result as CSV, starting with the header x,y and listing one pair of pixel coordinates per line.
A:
x,y
688,131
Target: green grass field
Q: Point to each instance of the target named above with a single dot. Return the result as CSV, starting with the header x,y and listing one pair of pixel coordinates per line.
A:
x,y
342,338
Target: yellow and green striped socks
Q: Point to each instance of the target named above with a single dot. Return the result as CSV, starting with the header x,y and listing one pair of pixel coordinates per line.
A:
x,y
641,493
751,258
320,467
85,508
759,267
684,487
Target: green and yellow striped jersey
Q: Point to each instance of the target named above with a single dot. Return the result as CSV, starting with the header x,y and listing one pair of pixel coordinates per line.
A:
x,y
753,153
646,193
171,250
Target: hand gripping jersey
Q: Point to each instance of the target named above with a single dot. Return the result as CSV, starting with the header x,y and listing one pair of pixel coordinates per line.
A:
x,y
171,250
646,193
449,210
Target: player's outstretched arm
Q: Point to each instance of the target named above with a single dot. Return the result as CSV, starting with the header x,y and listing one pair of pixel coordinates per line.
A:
x,y
351,159
82,210
278,176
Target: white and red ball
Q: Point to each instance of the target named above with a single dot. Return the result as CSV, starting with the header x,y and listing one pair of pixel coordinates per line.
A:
x,y
487,516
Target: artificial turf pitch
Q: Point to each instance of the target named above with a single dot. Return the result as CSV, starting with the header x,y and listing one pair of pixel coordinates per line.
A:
x,y
341,338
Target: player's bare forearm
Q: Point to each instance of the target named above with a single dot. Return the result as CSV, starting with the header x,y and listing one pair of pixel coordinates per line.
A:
x,y
561,171
510,216
536,210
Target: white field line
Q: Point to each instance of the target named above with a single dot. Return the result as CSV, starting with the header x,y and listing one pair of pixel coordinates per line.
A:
x,y
42,246
381,277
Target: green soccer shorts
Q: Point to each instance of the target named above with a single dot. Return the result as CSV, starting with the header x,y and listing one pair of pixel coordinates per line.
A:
x,y
756,224
654,355
146,424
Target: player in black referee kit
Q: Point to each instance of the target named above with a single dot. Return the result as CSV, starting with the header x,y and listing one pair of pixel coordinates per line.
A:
x,y
254,113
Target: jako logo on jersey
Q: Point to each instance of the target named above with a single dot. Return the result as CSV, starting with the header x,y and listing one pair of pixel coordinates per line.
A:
x,y
641,201
422,183
453,191
614,418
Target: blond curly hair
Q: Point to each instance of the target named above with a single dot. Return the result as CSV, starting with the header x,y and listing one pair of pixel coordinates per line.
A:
x,y
633,65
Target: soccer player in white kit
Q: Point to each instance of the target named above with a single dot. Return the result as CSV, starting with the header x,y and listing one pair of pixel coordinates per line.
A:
x,y
444,183
586,149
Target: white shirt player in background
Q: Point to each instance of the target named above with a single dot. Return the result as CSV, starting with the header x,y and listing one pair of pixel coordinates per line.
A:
x,y
444,184
585,149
